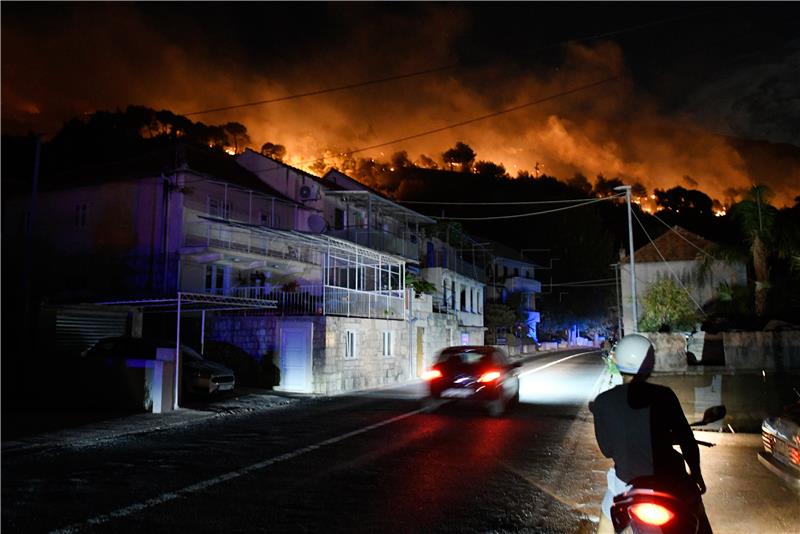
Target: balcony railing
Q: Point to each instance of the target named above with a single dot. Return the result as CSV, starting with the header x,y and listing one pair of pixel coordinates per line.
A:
x,y
402,245
309,300
523,285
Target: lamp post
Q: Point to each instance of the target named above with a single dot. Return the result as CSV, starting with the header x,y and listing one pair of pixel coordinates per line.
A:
x,y
634,311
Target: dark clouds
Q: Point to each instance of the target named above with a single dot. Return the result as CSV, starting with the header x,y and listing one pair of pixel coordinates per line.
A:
x,y
687,79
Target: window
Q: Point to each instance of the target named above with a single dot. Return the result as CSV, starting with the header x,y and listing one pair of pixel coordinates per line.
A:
x,y
387,343
80,215
338,219
218,279
516,271
350,344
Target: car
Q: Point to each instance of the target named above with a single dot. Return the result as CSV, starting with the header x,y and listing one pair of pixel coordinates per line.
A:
x,y
780,436
481,374
199,375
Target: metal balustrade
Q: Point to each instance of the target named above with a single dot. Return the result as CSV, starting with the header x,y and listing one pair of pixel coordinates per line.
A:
x,y
308,300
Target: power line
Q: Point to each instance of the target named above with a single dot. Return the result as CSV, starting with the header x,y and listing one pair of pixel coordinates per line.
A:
x,y
531,214
323,91
430,71
476,119
490,203
668,265
682,237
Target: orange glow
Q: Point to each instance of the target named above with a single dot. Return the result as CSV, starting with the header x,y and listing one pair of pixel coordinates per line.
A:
x,y
652,514
230,150
720,212
431,374
489,376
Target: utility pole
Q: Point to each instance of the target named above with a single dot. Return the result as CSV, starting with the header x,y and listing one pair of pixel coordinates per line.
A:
x,y
615,266
634,312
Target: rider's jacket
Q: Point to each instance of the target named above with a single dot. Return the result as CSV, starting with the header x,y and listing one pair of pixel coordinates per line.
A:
x,y
636,425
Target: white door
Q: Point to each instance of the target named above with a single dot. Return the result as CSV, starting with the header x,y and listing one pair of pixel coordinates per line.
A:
x,y
295,357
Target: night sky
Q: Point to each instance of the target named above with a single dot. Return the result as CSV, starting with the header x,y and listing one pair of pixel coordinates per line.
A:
x,y
685,76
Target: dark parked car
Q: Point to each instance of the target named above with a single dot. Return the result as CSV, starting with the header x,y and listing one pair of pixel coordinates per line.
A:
x,y
781,440
474,373
199,375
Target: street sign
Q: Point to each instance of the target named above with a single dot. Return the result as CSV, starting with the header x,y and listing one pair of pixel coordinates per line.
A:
x,y
502,341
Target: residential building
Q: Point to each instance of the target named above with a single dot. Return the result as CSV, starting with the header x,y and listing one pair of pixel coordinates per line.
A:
x,y
361,215
512,282
677,255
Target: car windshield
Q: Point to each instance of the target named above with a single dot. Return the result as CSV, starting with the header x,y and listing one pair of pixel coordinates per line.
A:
x,y
190,353
466,357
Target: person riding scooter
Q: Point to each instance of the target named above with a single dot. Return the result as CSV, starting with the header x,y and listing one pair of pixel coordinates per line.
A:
x,y
636,424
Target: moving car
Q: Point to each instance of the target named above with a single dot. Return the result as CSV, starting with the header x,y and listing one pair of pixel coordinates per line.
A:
x,y
781,439
199,375
473,373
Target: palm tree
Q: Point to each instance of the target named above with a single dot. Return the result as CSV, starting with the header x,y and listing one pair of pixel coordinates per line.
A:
x,y
756,218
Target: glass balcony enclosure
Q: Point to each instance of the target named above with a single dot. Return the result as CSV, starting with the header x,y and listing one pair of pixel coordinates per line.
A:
x,y
307,274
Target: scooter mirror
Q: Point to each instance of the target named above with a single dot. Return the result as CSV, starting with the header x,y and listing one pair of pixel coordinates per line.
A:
x,y
715,413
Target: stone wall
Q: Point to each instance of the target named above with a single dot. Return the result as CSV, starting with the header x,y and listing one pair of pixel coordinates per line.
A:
x,y
253,334
333,373
743,351
670,352
777,350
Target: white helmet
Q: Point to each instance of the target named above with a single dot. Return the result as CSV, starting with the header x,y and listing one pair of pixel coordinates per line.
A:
x,y
631,355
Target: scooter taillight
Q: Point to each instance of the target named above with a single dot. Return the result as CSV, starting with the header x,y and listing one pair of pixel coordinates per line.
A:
x,y
651,513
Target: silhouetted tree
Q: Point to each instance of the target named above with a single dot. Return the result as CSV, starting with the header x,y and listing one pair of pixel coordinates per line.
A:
x,y
605,188
682,200
490,169
273,151
399,160
638,190
580,183
236,135
461,155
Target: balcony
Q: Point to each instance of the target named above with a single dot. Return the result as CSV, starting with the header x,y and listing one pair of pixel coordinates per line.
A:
x,y
405,246
518,284
317,299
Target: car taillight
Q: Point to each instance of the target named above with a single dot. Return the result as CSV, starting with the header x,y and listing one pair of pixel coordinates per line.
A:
x,y
431,374
651,513
794,455
489,376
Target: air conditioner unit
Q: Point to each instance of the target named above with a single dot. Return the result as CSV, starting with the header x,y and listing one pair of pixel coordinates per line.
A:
x,y
309,192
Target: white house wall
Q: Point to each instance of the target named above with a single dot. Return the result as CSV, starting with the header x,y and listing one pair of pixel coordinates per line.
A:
x,y
471,314
702,291
286,181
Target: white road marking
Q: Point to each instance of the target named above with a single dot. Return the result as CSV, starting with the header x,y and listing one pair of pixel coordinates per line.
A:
x,y
555,362
200,486
203,485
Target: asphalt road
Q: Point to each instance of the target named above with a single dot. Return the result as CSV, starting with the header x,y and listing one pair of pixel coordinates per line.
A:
x,y
362,463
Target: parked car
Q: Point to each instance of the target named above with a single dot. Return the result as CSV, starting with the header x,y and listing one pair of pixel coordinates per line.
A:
x,y
199,375
480,374
781,439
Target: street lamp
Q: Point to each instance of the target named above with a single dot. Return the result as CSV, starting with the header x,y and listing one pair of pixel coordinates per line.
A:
x,y
627,190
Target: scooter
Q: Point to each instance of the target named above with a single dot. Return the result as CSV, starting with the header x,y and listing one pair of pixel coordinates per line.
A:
x,y
644,510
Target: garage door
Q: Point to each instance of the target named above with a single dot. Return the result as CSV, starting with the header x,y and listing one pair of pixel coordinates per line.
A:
x,y
79,328
295,357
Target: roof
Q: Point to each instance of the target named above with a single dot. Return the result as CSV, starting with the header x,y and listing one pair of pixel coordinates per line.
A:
x,y
676,244
154,159
321,181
